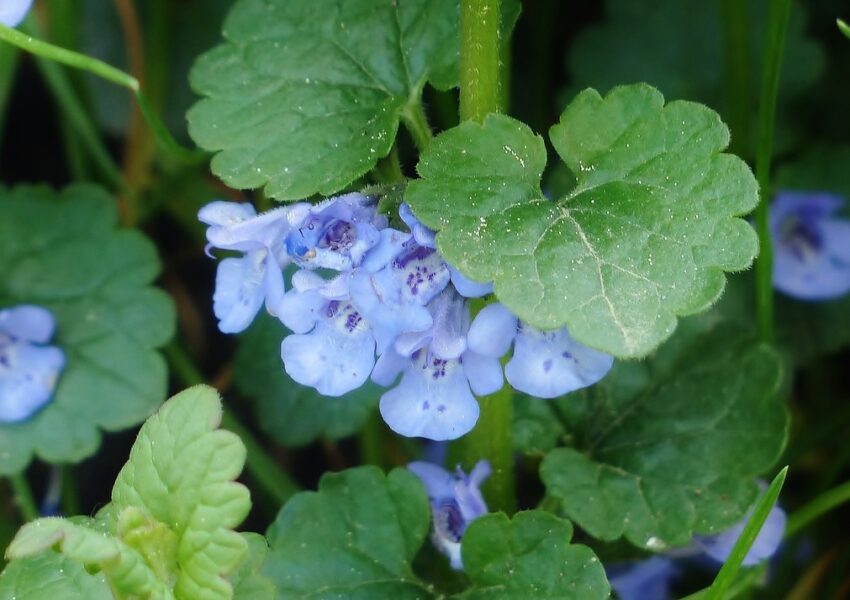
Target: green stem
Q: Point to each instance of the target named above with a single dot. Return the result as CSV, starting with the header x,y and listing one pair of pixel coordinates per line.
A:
x,y
388,169
479,58
262,467
777,28
492,439
23,497
413,117
818,507
97,67
844,27
738,76
369,441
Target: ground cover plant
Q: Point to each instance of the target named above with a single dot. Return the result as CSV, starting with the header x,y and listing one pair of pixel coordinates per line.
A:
x,y
424,299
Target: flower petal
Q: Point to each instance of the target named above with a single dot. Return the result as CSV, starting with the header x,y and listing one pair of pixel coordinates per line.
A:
x,y
550,364
28,376
483,372
432,400
239,291
28,323
492,331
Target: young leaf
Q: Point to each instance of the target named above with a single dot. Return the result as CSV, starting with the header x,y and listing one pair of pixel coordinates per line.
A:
x,y
293,414
167,532
63,252
51,576
330,78
371,525
644,236
180,474
529,556
672,446
123,567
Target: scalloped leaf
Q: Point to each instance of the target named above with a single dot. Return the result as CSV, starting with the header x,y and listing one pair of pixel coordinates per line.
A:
x,y
180,474
168,531
123,566
644,237
371,524
291,413
64,252
529,556
330,78
51,576
374,524
671,446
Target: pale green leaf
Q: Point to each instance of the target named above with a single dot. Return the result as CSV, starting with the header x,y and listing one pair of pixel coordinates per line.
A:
x,y
51,576
644,237
248,582
64,252
529,556
671,446
180,474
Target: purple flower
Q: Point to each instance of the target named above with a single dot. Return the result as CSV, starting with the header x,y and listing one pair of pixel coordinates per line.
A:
x,y
12,12
336,234
439,375
29,370
545,364
648,579
394,298
243,284
455,500
811,245
332,348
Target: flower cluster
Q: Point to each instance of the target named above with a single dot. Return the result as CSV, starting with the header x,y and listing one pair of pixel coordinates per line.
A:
x,y
455,500
371,300
28,368
811,245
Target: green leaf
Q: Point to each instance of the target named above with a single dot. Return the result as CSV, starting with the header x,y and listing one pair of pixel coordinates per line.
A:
x,y
536,428
167,532
659,43
123,566
180,474
51,576
529,556
644,236
671,446
290,413
330,78
248,582
64,252
354,538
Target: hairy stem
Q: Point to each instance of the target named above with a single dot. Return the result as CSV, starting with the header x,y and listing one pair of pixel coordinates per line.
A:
x,y
479,58
23,496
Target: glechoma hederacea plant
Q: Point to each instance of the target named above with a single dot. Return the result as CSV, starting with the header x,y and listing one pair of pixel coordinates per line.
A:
x,y
524,353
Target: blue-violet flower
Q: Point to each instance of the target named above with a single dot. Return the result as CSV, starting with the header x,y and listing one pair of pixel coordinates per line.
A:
x,y
455,500
811,245
29,369
12,12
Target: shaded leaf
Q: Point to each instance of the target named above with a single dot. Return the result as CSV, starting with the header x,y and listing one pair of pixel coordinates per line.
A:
x,y
671,446
63,251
